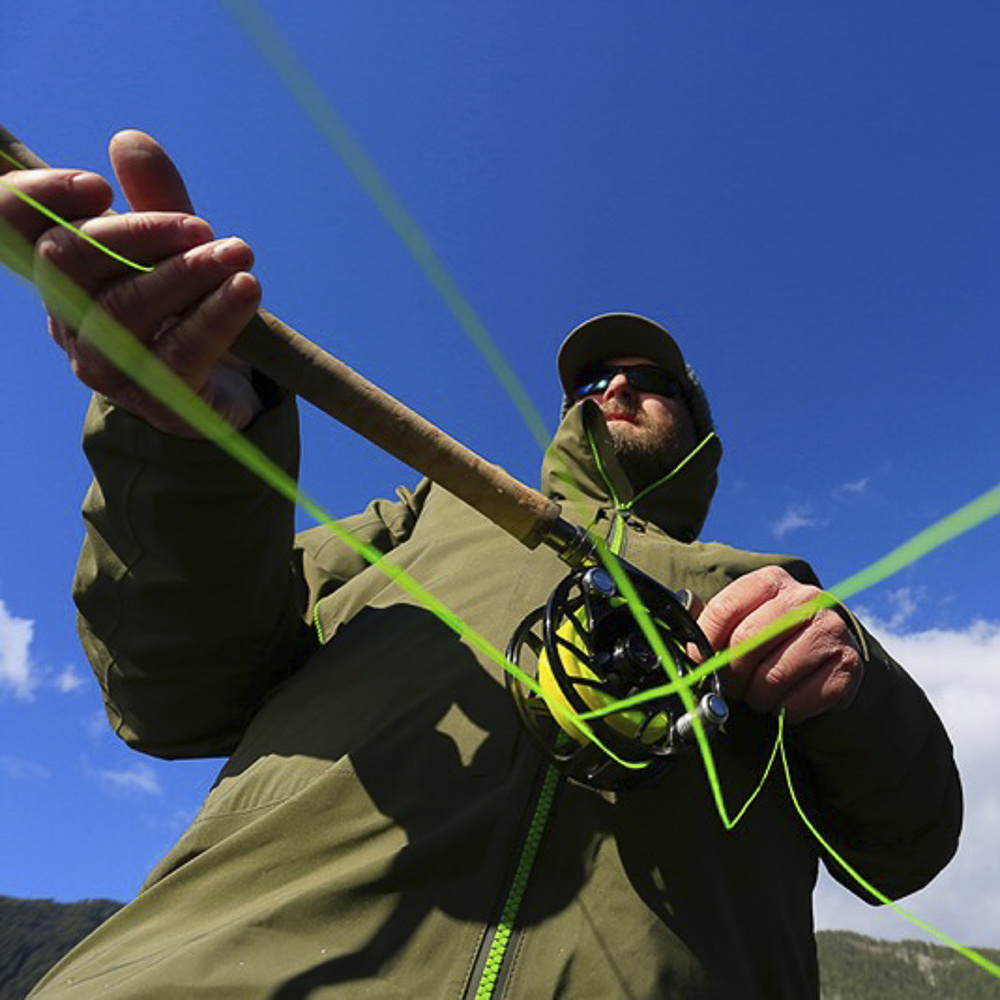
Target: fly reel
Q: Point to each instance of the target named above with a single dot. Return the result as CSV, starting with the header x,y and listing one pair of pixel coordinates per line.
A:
x,y
586,651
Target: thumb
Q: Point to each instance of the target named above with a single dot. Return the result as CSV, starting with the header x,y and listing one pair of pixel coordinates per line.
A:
x,y
147,176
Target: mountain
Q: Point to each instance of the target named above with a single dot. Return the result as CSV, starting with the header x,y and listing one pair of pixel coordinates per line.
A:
x,y
855,967
35,933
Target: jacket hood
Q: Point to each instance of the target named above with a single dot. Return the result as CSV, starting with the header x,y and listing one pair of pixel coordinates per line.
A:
x,y
580,466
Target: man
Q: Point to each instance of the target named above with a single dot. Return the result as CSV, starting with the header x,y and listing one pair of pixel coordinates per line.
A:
x,y
382,826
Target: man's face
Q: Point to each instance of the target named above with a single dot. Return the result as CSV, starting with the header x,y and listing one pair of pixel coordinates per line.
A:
x,y
651,431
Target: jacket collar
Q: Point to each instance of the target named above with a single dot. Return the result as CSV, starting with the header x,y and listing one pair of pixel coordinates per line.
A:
x,y
580,466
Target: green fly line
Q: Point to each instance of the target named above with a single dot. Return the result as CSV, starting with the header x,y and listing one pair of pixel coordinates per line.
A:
x,y
331,126
39,207
292,72
967,517
143,368
969,953
113,340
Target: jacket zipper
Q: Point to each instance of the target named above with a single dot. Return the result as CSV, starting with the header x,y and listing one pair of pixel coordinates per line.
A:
x,y
497,941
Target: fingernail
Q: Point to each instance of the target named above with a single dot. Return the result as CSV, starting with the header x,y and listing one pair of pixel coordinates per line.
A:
x,y
244,286
196,228
232,251
88,184
684,596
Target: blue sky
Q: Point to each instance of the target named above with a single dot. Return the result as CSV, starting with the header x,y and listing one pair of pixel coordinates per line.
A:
x,y
806,195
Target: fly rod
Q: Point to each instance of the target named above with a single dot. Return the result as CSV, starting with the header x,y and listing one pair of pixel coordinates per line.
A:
x,y
584,647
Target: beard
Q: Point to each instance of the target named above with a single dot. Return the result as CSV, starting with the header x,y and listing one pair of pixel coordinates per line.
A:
x,y
646,453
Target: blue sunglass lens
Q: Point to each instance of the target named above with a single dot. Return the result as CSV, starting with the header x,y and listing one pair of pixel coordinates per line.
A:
x,y
645,379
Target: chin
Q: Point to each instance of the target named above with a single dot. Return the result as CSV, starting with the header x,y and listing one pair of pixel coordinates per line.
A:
x,y
631,433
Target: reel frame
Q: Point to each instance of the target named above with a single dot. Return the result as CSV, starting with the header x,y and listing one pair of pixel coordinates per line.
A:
x,y
588,651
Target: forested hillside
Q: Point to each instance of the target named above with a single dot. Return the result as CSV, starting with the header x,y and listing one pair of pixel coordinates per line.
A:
x,y
34,933
854,967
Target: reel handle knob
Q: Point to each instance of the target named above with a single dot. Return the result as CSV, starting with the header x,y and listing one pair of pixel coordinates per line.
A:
x,y
599,583
712,711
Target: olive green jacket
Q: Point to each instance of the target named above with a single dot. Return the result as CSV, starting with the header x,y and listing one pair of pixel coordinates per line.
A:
x,y
369,827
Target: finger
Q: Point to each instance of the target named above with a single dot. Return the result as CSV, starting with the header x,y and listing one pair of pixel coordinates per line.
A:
x,y
59,331
193,346
764,681
831,686
755,602
735,617
738,675
145,304
147,175
142,302
733,603
68,193
752,649
141,238
821,646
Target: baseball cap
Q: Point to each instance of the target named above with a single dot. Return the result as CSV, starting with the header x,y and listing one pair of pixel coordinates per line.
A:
x,y
617,335
625,334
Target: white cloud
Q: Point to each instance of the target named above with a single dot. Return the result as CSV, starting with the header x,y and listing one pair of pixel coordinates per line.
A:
x,y
796,516
21,769
96,725
904,601
140,778
960,671
16,671
855,488
68,680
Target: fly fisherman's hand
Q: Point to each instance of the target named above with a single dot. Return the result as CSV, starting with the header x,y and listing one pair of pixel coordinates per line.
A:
x,y
813,667
187,311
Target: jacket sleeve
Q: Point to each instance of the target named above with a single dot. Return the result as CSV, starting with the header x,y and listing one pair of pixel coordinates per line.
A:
x,y
192,594
880,781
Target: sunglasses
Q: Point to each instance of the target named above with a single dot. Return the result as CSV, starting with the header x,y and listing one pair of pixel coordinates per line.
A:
x,y
643,378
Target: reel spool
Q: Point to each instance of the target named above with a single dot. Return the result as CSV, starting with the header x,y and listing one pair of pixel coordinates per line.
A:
x,y
586,650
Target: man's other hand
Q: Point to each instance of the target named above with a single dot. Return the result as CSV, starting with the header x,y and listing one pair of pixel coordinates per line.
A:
x,y
814,666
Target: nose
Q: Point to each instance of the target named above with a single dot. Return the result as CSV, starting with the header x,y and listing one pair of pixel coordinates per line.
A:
x,y
619,388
